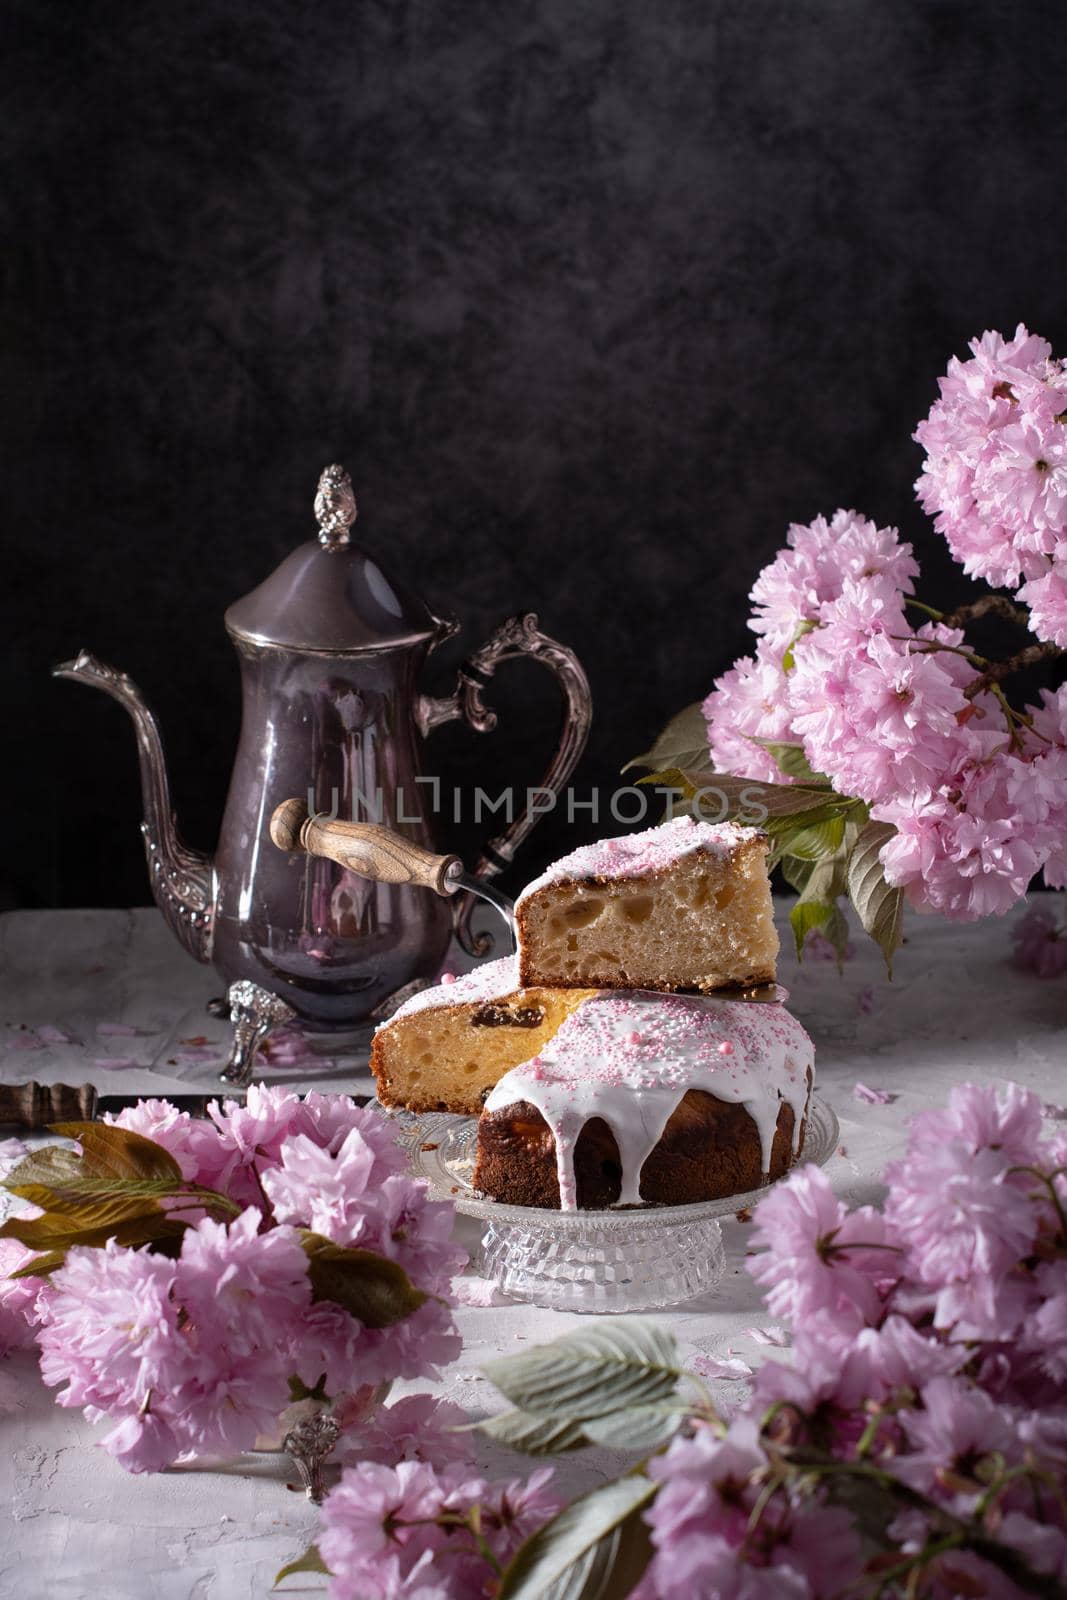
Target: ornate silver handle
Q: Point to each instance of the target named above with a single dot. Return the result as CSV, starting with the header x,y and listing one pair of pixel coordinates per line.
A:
x,y
518,636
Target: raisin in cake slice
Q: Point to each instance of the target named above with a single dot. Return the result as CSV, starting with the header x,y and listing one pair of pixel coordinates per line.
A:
x,y
686,905
445,1048
649,1099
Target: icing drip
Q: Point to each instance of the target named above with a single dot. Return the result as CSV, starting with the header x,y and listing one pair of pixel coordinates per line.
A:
x,y
631,1056
634,854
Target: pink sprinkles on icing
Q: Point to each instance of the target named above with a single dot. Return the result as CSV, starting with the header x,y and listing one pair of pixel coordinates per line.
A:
x,y
599,1064
632,855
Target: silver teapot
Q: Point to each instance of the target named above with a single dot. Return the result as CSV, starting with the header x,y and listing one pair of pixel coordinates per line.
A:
x,y
330,650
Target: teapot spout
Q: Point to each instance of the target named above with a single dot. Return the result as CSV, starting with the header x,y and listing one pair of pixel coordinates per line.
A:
x,y
183,880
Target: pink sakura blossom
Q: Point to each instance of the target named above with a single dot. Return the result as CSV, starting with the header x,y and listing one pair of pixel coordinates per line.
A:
x,y
818,1256
241,1286
18,1298
416,1232
955,1427
181,1136
962,1212
896,716
1002,1117
875,714
419,1346
193,1354
970,847
328,1119
847,564
110,1334
1045,1333
197,1353
749,702
324,1192
238,1142
408,1530
812,571
258,1123
1046,595
700,1522
416,1428
947,1360
356,1197
995,474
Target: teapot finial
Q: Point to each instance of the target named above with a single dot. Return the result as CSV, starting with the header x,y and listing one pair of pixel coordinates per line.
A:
x,y
335,508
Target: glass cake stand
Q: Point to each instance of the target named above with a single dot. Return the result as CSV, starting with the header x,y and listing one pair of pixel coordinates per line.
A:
x,y
640,1259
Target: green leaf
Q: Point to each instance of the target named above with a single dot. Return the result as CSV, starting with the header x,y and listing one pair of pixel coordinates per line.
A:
x,y
597,1548
820,883
110,1189
790,759
110,1152
98,1201
814,840
535,1435
640,1428
310,1561
113,1163
788,657
807,916
686,780
795,871
879,907
54,1235
118,1178
746,800
592,1372
368,1286
824,916
683,742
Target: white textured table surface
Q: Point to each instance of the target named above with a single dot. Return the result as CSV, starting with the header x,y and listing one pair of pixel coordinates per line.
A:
x,y
80,1527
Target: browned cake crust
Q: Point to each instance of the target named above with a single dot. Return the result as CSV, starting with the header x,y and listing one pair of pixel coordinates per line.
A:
x,y
710,1149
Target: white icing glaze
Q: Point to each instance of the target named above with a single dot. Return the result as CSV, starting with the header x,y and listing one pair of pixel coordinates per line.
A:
x,y
491,981
631,1056
632,855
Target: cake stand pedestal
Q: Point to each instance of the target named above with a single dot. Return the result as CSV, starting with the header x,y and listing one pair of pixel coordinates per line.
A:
x,y
638,1259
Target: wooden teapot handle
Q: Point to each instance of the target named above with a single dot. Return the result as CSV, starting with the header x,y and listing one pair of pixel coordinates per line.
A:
x,y
364,848
38,1105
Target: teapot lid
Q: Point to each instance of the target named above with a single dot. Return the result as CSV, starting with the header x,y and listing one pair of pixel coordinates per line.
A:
x,y
329,595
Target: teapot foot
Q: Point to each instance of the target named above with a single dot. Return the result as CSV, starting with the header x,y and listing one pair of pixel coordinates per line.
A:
x,y
254,1012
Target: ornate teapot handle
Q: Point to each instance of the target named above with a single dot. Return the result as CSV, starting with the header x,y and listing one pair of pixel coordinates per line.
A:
x,y
518,636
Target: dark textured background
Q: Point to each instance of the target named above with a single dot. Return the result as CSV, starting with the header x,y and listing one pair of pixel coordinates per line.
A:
x,y
592,299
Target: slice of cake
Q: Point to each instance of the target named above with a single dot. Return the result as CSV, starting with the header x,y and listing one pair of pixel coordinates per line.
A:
x,y
446,1047
683,906
649,1099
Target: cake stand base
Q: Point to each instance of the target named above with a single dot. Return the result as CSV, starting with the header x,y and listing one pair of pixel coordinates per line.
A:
x,y
637,1267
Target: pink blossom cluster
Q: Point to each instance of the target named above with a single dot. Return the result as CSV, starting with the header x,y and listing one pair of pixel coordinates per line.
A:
x,y
899,717
995,474
821,564
426,1533
195,1351
930,1352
